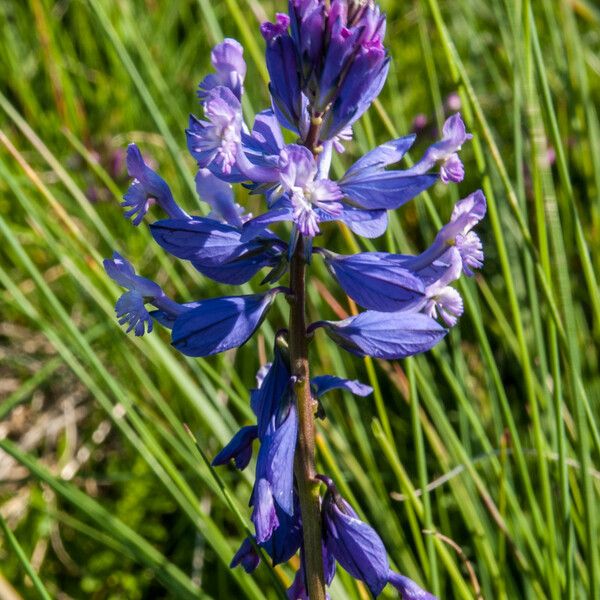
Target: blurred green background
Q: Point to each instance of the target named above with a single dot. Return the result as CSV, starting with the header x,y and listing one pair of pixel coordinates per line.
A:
x,y
490,443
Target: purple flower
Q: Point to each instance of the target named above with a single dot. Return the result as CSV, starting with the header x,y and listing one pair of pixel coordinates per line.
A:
x,y
147,187
275,471
387,335
284,542
215,143
457,232
359,550
283,70
130,307
277,429
445,152
227,59
327,62
301,197
218,324
305,194
239,449
247,556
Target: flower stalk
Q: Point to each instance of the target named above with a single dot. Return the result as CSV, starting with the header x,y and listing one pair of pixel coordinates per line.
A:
x,y
327,63
304,463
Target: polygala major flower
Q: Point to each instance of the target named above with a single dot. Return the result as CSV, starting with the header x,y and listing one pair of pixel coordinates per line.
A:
x,y
327,62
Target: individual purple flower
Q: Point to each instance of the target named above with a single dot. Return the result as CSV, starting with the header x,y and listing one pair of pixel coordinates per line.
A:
x,y
284,542
247,556
445,152
358,549
306,194
388,335
214,143
228,60
302,198
275,472
239,449
273,498
277,429
282,64
131,306
147,188
467,213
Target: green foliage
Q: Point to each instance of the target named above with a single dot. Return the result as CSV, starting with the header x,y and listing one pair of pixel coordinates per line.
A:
x,y
112,500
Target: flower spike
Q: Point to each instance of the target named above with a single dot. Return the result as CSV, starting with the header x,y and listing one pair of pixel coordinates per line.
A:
x,y
147,187
327,62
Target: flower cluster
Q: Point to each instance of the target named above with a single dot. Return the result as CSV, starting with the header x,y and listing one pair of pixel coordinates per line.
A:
x,y
327,63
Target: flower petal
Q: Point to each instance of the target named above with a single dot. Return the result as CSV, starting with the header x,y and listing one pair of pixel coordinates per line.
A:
x,y
264,515
325,383
219,196
200,239
386,190
228,61
366,223
375,280
239,449
147,184
247,556
275,461
121,271
355,545
219,324
408,589
376,160
387,335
